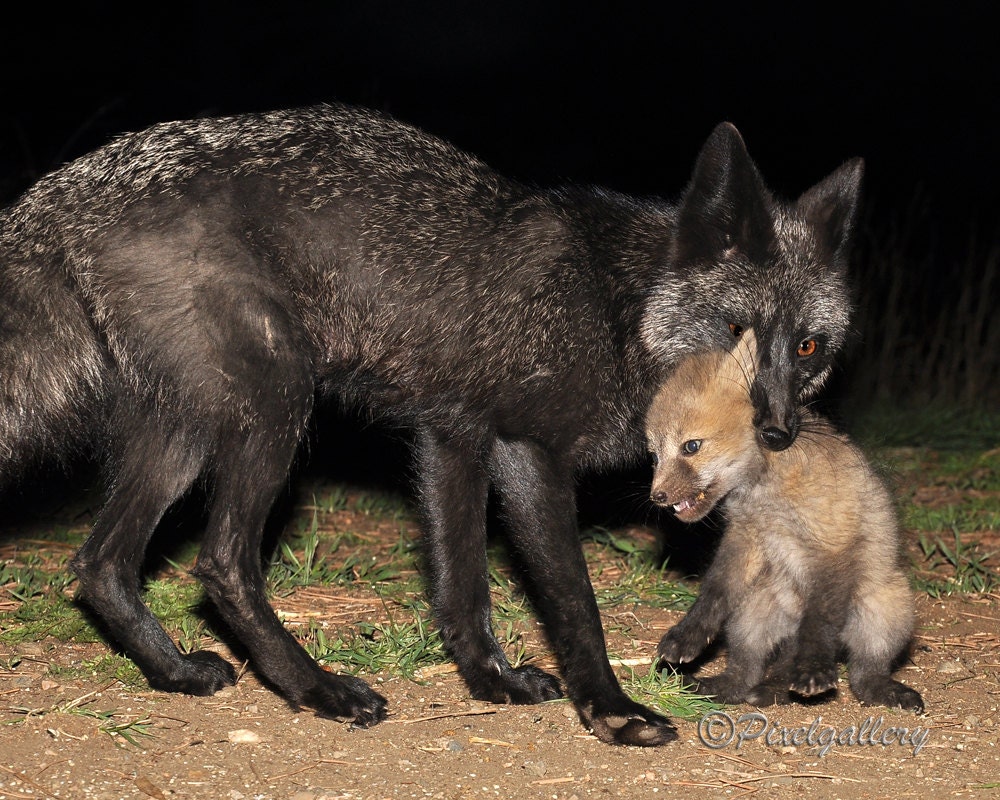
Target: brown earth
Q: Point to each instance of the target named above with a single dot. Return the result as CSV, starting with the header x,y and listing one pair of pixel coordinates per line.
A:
x,y
245,743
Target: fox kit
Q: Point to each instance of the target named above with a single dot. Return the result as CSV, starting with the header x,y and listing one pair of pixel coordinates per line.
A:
x,y
809,562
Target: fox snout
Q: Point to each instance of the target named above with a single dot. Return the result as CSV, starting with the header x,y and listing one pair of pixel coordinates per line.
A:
x,y
775,435
776,417
687,500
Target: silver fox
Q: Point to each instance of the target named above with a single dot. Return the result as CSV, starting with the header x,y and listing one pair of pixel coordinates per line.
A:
x,y
809,563
179,299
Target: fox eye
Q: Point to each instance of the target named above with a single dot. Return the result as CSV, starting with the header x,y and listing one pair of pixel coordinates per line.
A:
x,y
654,458
691,446
806,348
736,329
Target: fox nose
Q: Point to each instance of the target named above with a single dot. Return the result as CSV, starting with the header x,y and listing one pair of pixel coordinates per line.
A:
x,y
775,439
659,497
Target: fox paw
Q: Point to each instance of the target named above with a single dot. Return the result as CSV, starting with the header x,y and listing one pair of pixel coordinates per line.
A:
x,y
200,673
345,697
523,685
812,680
681,645
623,721
724,689
768,694
890,693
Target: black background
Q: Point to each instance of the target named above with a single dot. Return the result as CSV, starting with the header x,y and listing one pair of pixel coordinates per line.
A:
x,y
622,96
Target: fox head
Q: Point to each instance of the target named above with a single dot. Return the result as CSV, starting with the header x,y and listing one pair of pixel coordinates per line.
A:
x,y
700,430
742,258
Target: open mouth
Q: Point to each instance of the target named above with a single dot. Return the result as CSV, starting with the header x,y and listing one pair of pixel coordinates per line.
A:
x,y
690,507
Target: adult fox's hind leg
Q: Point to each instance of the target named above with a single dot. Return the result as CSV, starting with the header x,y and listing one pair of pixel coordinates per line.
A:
x,y
154,467
249,475
272,387
196,318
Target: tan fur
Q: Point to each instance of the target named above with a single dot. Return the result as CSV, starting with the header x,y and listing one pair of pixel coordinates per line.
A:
x,y
797,520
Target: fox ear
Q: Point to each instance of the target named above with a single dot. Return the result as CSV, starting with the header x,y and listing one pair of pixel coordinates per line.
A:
x,y
726,203
831,208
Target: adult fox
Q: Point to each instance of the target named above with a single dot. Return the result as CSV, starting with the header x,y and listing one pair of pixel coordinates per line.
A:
x,y
179,298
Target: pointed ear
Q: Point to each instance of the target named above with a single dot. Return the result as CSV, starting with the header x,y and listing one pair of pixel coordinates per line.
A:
x,y
831,208
725,204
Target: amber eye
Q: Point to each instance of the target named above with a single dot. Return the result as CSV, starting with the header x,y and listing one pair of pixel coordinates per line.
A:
x,y
806,348
737,330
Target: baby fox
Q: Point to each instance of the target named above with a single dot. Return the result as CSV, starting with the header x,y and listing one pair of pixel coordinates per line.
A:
x,y
809,564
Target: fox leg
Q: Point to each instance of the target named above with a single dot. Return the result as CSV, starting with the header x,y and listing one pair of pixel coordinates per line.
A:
x,y
538,504
154,467
273,393
725,582
878,630
757,633
686,640
773,688
251,473
814,670
454,490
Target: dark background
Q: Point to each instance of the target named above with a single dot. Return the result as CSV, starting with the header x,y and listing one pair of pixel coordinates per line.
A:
x,y
549,92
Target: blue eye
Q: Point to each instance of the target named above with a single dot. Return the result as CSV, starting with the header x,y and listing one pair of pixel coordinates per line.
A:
x,y
655,459
691,446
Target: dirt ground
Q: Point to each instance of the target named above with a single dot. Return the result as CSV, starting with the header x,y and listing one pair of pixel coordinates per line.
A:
x,y
245,743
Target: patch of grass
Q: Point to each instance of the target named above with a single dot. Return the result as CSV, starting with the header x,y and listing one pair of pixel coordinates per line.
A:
x,y
664,690
332,499
969,515
955,568
641,580
30,575
386,505
108,667
113,723
51,613
299,563
404,644
313,557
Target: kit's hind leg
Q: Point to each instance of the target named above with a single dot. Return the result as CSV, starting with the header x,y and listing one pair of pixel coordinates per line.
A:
x,y
815,669
773,688
757,632
878,630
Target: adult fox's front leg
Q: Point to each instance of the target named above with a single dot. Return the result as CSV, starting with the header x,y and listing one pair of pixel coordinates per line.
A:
x,y
453,491
539,506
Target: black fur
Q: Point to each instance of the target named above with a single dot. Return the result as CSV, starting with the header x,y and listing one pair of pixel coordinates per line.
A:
x,y
178,299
